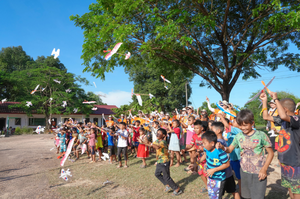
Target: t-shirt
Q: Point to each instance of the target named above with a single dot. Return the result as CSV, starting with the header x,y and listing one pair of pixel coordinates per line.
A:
x,y
214,159
122,142
252,150
162,153
136,133
177,132
228,171
288,141
62,139
81,138
235,154
110,140
92,139
109,123
197,141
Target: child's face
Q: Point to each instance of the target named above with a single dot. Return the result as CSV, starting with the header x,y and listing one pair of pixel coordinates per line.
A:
x,y
137,124
154,125
209,125
141,132
208,145
246,128
175,124
160,136
198,129
191,121
122,126
216,130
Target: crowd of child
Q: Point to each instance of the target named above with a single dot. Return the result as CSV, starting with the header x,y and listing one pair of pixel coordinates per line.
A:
x,y
221,147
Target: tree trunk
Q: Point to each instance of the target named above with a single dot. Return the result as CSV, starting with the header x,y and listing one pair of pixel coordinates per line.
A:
x,y
225,93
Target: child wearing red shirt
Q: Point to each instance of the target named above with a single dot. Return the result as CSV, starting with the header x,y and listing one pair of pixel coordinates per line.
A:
x,y
174,146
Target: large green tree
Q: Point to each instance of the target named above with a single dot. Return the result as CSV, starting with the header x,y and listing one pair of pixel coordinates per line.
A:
x,y
218,40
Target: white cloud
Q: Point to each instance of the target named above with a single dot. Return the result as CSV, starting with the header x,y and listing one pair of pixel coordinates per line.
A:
x,y
117,97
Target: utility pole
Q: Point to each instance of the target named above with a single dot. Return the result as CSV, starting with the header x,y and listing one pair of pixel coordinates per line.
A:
x,y
186,96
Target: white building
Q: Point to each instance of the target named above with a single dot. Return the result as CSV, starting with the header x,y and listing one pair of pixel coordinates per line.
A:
x,y
16,117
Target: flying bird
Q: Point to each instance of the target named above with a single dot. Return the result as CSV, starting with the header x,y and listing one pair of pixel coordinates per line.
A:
x,y
28,104
64,104
55,53
32,92
90,102
57,81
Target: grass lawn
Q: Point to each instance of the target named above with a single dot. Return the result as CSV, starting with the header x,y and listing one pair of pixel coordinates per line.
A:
x,y
133,182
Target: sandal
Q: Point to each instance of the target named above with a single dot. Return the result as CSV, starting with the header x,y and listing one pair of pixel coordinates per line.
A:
x,y
177,193
125,166
203,190
187,169
168,189
119,166
143,166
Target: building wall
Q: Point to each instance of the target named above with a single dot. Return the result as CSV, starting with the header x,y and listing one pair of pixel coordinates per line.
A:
x,y
60,119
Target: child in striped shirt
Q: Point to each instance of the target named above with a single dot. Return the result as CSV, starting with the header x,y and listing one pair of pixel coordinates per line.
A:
x,y
217,161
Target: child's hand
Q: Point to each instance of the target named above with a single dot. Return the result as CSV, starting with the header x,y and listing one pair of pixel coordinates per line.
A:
x,y
219,146
262,174
207,99
273,95
263,97
210,172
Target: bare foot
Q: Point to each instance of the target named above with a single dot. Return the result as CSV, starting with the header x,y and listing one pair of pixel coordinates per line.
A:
x,y
171,165
177,165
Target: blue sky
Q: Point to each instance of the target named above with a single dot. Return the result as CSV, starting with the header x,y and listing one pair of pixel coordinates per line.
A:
x,y
39,26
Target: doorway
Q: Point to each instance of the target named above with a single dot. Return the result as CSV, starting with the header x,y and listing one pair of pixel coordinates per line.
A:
x,y
2,123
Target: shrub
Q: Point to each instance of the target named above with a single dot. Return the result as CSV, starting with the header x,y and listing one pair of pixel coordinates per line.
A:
x,y
18,131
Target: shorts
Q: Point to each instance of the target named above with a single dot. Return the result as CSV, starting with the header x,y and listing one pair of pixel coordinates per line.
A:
x,y
252,187
76,147
236,166
202,169
92,150
229,186
111,150
135,144
290,178
63,148
215,188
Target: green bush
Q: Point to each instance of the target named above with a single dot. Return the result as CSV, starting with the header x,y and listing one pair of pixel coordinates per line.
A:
x,y
18,131
24,130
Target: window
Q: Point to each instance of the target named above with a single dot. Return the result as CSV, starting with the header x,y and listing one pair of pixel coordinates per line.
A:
x,y
87,120
17,121
96,121
37,121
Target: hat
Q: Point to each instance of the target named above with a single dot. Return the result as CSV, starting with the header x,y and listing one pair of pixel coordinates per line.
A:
x,y
139,111
109,116
184,109
122,114
225,102
167,113
203,110
190,107
161,112
231,104
272,101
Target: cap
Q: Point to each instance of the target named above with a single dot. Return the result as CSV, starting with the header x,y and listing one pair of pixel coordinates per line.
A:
x,y
190,107
139,111
167,114
184,109
109,116
161,112
225,102
203,110
272,101
122,114
231,104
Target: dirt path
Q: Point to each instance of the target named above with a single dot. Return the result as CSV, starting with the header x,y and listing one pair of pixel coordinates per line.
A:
x,y
24,162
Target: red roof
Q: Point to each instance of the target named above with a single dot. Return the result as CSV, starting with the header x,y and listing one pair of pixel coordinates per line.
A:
x,y
106,109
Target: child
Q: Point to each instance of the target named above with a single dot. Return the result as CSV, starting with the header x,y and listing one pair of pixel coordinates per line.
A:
x,y
189,134
136,134
92,139
174,142
111,145
99,145
229,187
162,171
217,161
143,150
122,144
197,143
253,162
62,142
288,141
235,154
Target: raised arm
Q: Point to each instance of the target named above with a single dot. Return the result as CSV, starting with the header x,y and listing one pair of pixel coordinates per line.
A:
x,y
264,99
209,107
281,112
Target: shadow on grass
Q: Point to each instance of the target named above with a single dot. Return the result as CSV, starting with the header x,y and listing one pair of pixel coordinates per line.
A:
x,y
277,191
185,181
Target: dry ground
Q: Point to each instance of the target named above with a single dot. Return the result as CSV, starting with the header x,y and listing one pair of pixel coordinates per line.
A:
x,y
28,169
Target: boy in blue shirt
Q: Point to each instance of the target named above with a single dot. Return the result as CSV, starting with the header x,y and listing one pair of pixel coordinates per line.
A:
x,y
111,145
217,161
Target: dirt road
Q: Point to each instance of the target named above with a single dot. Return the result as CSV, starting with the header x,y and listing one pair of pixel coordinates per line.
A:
x,y
25,159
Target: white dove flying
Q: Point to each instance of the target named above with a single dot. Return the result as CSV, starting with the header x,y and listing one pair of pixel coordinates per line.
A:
x,y
55,53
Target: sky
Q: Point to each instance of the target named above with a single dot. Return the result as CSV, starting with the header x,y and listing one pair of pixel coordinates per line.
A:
x,y
39,26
